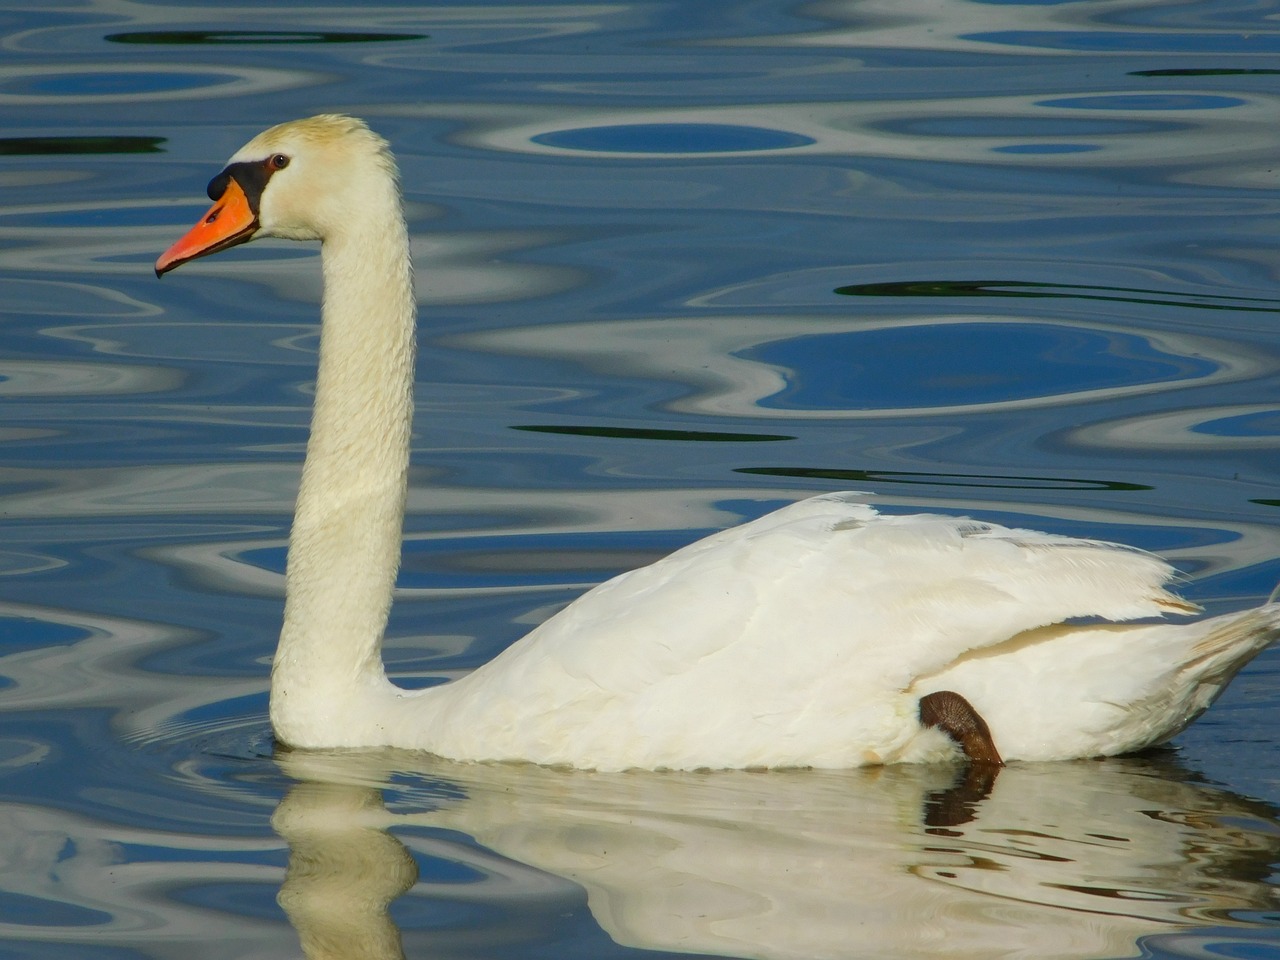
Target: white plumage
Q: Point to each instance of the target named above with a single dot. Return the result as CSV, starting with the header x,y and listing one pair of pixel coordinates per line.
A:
x,y
804,638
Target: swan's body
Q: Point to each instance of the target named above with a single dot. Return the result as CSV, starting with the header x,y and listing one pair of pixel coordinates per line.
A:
x,y
807,637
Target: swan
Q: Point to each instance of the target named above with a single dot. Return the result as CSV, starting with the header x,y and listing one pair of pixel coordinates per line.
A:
x,y
824,634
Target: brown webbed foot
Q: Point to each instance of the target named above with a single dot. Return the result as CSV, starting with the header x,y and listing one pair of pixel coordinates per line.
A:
x,y
955,716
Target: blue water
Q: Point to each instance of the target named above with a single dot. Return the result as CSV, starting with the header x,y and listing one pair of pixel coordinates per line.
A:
x,y
678,264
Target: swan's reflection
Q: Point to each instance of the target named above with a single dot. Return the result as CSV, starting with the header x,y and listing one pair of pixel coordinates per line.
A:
x,y
344,869
1047,860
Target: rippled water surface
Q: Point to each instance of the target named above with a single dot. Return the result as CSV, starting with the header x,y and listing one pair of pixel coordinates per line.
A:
x,y
678,264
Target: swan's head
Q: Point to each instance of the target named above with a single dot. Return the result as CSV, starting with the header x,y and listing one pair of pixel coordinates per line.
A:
x,y
302,180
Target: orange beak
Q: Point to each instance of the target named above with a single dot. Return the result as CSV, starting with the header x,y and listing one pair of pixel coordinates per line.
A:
x,y
229,221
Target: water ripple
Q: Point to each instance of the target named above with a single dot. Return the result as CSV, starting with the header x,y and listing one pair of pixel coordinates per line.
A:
x,y
671,139
1201,430
730,365
109,82
902,129
44,378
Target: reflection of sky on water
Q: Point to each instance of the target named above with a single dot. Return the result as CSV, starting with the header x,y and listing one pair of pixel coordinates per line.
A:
x,y
803,368
677,267
671,138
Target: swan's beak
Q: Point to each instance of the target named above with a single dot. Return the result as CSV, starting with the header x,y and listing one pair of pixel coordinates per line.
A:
x,y
229,221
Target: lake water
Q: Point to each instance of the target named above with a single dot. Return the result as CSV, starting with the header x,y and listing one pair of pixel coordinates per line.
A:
x,y
678,264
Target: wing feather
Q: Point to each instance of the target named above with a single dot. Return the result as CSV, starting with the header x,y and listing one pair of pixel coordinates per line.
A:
x,y
818,614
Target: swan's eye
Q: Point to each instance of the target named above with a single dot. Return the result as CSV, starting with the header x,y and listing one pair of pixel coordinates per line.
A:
x,y
278,162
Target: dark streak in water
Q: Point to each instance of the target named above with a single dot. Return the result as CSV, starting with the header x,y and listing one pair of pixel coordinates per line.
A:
x,y
1027,289
1206,72
52,146
632,433
189,37
943,479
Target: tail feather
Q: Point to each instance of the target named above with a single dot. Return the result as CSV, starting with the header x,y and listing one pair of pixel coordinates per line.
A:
x,y
1220,653
1208,666
1176,605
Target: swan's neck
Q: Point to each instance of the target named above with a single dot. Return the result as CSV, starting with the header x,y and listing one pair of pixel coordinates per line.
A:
x,y
344,550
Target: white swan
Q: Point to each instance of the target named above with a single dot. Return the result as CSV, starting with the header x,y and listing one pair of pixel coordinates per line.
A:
x,y
823,634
